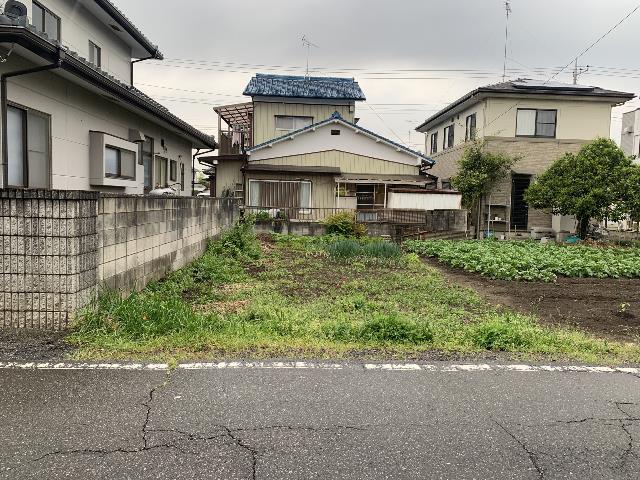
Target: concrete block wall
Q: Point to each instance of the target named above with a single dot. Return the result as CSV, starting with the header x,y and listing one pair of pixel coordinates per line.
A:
x,y
58,249
48,243
141,239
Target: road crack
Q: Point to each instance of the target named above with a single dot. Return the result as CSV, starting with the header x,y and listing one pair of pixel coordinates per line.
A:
x,y
533,458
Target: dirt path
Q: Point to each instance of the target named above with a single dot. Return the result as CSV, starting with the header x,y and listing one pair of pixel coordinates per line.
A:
x,y
590,304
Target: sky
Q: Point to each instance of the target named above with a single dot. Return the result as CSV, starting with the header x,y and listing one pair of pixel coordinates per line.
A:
x,y
411,57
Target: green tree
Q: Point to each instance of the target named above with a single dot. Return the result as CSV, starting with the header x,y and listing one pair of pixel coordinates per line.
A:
x,y
479,172
589,184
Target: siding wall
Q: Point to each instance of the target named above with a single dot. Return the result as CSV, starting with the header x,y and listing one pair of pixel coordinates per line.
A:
x,y
347,162
264,116
228,174
79,26
74,112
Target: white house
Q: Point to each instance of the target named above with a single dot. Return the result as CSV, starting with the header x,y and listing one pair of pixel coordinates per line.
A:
x,y
71,117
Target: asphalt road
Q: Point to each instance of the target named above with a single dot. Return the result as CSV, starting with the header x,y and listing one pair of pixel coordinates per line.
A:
x,y
350,423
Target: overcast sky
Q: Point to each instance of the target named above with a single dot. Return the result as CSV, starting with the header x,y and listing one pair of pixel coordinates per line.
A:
x,y
411,57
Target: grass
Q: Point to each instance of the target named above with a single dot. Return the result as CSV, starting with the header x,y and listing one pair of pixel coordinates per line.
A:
x,y
317,298
532,261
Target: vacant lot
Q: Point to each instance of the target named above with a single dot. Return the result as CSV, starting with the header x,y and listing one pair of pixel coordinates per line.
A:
x,y
319,298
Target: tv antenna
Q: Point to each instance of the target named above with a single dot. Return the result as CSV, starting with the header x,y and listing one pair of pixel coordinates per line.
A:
x,y
507,6
307,44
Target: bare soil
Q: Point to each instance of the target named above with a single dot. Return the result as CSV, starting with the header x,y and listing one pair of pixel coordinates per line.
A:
x,y
609,308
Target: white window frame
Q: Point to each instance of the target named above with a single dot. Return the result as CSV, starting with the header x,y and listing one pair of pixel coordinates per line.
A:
x,y
119,175
434,143
295,119
303,210
471,133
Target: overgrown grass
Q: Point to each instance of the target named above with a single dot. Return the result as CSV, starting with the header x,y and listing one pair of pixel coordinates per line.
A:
x,y
293,298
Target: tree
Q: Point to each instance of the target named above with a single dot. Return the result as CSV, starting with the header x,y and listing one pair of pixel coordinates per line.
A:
x,y
589,184
479,172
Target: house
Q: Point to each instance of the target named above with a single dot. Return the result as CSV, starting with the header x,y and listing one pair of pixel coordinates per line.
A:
x,y
630,141
298,145
72,118
536,120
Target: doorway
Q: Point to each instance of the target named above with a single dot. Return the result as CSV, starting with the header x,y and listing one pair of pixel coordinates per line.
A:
x,y
519,208
366,195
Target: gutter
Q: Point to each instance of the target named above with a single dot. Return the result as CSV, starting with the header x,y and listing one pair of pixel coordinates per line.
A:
x,y
4,110
48,51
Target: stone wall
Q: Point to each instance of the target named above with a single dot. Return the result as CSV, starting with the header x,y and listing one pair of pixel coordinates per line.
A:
x,y
48,249
141,239
58,249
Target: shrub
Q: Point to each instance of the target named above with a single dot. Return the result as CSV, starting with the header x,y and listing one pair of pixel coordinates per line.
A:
x,y
344,224
240,241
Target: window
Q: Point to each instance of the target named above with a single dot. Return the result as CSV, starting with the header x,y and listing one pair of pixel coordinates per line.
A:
x,y
29,148
181,176
119,163
95,54
160,172
173,171
46,21
290,124
448,137
470,133
335,132
280,194
434,143
536,123
146,157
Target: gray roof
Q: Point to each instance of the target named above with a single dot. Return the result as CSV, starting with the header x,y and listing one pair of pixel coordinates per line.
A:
x,y
332,88
338,117
524,86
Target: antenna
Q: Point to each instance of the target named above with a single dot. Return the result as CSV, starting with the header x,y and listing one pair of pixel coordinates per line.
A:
x,y
578,70
507,6
306,43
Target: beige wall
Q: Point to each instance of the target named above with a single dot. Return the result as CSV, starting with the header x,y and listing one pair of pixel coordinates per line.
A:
x,y
347,162
228,174
75,112
79,26
577,119
264,121
496,117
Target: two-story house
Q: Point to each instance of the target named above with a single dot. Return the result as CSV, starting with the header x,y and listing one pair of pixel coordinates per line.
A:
x,y
298,145
71,116
537,121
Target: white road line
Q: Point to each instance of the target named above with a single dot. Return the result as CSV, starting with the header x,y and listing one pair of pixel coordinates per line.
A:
x,y
392,367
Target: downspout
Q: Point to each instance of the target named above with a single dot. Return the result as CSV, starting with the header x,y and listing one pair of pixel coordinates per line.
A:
x,y
193,168
4,106
133,62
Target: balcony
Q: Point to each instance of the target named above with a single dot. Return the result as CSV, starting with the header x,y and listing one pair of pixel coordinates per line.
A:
x,y
235,128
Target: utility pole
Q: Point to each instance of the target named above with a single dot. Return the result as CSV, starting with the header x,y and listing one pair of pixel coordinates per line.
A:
x,y
507,5
577,71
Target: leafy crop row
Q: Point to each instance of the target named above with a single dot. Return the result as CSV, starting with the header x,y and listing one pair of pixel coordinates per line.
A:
x,y
531,261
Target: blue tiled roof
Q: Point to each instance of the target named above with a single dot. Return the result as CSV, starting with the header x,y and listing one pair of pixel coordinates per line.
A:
x,y
304,87
336,116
